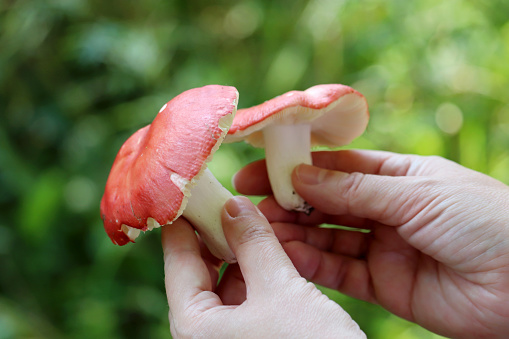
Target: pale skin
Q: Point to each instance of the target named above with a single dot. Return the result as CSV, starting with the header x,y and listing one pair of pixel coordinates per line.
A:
x,y
263,296
438,249
437,253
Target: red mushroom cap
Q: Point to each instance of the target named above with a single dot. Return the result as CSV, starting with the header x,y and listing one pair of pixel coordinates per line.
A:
x,y
337,114
154,169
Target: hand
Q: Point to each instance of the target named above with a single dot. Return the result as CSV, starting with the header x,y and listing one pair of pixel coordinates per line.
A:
x,y
263,296
437,251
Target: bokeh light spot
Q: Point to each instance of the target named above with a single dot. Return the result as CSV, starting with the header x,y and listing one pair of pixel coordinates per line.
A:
x,y
80,194
449,118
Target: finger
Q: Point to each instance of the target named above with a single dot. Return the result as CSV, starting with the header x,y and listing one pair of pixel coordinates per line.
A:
x,y
275,213
348,243
186,274
252,179
364,161
389,200
345,274
260,256
232,288
212,262
394,265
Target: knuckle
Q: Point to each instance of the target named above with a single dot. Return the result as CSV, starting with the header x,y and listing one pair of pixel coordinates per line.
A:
x,y
401,165
435,161
434,164
405,166
435,158
350,187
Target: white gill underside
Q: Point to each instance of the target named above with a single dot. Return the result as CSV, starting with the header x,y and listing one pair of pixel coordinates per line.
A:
x,y
287,146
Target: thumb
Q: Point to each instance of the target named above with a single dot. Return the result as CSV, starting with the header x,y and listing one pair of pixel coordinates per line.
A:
x,y
390,200
260,256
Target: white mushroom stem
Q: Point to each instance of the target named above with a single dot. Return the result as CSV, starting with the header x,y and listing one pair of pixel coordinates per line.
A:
x,y
203,211
287,146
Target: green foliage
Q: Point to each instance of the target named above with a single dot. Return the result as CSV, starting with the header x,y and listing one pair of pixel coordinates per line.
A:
x,y
77,77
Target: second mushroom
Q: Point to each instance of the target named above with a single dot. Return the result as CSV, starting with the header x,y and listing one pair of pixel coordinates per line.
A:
x,y
289,125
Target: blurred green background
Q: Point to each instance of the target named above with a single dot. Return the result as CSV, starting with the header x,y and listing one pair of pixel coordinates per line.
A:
x,y
77,77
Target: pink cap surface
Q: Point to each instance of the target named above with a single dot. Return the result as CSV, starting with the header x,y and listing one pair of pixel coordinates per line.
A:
x,y
152,171
337,114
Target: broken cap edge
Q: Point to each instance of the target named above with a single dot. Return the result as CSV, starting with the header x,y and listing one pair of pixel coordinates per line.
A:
x,y
120,232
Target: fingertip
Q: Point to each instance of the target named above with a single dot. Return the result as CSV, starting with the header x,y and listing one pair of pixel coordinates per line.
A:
x,y
177,233
238,214
274,212
237,180
316,185
186,273
254,243
360,195
252,179
239,206
309,174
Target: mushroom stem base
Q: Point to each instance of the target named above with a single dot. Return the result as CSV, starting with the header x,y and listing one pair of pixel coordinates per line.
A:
x,y
287,146
203,211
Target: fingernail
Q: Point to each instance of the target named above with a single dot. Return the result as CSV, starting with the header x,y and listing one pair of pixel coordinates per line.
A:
x,y
310,175
239,206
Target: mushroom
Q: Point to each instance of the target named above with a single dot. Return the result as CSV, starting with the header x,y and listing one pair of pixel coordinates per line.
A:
x,y
160,172
287,126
